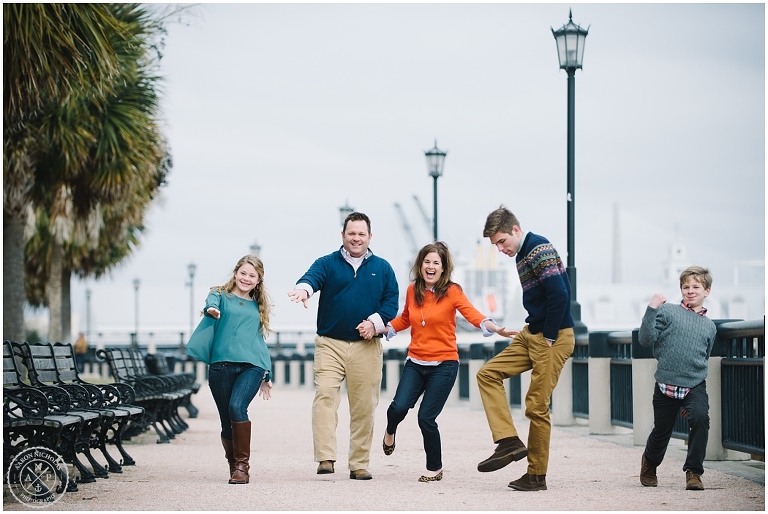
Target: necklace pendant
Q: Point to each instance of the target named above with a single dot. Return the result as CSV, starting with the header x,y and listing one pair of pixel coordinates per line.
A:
x,y
423,323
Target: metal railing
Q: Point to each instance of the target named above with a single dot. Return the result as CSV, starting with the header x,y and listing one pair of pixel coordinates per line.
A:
x,y
580,378
743,385
741,344
620,344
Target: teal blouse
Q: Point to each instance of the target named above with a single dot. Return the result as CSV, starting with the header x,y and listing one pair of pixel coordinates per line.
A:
x,y
238,331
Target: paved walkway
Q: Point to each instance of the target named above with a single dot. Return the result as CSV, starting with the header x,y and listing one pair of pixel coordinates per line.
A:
x,y
585,473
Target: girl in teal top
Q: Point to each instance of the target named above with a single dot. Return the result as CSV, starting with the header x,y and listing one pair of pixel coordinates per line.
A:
x,y
231,340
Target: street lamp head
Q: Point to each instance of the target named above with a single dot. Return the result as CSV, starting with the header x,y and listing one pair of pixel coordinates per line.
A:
x,y
570,44
191,269
136,283
256,249
435,161
344,211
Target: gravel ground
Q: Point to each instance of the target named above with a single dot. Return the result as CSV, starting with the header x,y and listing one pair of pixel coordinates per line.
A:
x,y
585,472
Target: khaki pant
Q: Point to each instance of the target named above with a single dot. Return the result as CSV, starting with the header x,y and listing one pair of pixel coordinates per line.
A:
x,y
527,351
360,363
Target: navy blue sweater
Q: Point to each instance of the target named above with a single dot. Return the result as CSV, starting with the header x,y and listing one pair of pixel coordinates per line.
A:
x,y
546,289
348,297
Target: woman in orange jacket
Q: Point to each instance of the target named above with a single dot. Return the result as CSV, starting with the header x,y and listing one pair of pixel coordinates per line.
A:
x,y
432,364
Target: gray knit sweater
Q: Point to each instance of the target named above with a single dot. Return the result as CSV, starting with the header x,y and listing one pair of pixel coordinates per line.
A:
x,y
682,341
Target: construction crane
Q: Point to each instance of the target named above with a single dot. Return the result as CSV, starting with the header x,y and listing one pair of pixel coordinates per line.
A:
x,y
427,219
407,229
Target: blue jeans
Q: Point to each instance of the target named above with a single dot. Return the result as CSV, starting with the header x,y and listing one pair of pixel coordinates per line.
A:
x,y
665,410
233,385
435,383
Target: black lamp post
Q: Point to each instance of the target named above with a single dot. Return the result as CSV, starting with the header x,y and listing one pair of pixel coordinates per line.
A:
x,y
570,51
256,249
435,162
88,313
191,267
344,211
135,339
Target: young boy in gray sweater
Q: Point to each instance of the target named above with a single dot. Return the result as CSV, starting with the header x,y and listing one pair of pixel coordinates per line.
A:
x,y
682,338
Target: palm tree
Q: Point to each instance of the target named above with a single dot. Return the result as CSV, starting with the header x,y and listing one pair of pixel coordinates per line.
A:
x,y
49,50
108,157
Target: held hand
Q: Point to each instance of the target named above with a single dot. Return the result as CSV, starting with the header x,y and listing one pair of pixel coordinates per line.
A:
x,y
213,311
299,295
265,390
656,300
503,332
366,329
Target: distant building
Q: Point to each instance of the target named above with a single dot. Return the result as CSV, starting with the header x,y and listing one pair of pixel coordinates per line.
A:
x,y
487,284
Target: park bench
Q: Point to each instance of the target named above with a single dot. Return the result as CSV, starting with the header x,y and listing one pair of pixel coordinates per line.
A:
x,y
55,364
176,386
157,364
40,417
159,395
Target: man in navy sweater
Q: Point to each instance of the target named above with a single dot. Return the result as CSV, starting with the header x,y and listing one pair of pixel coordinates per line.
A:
x,y
542,346
359,297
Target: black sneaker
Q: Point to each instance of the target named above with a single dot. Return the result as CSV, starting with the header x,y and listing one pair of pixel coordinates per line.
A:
x,y
508,450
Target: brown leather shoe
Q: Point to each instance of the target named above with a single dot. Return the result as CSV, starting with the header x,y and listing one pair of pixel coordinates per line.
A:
x,y
647,474
530,483
325,467
360,474
693,481
508,450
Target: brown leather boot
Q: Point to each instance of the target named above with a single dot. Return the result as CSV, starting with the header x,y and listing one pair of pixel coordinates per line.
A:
x,y
241,439
229,454
647,473
530,483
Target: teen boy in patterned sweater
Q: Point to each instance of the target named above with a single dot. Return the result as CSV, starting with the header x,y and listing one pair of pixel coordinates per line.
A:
x,y
543,346
682,338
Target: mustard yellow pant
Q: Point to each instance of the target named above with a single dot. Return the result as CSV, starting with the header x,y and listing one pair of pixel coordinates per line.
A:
x,y
526,352
360,363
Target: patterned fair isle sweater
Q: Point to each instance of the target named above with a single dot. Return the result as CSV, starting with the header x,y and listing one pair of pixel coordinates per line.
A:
x,y
682,342
546,289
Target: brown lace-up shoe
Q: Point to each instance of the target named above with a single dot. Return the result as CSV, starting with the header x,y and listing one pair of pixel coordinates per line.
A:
x,y
647,473
693,481
508,450
530,483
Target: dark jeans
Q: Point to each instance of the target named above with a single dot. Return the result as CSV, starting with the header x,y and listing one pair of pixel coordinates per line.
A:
x,y
80,362
665,410
233,385
435,383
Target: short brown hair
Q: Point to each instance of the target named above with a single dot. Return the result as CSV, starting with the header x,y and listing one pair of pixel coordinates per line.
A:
x,y
357,216
702,275
500,220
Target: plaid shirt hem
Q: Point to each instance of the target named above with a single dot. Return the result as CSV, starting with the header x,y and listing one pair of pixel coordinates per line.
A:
x,y
674,391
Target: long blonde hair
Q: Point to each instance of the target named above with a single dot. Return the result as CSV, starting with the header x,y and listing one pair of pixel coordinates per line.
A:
x,y
257,294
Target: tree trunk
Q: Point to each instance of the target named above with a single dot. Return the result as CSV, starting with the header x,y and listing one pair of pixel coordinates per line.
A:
x,y
55,293
13,278
66,306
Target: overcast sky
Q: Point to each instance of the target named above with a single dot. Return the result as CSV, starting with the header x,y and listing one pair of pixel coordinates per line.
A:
x,y
278,114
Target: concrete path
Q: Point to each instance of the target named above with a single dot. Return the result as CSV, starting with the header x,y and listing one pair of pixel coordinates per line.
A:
x,y
585,473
